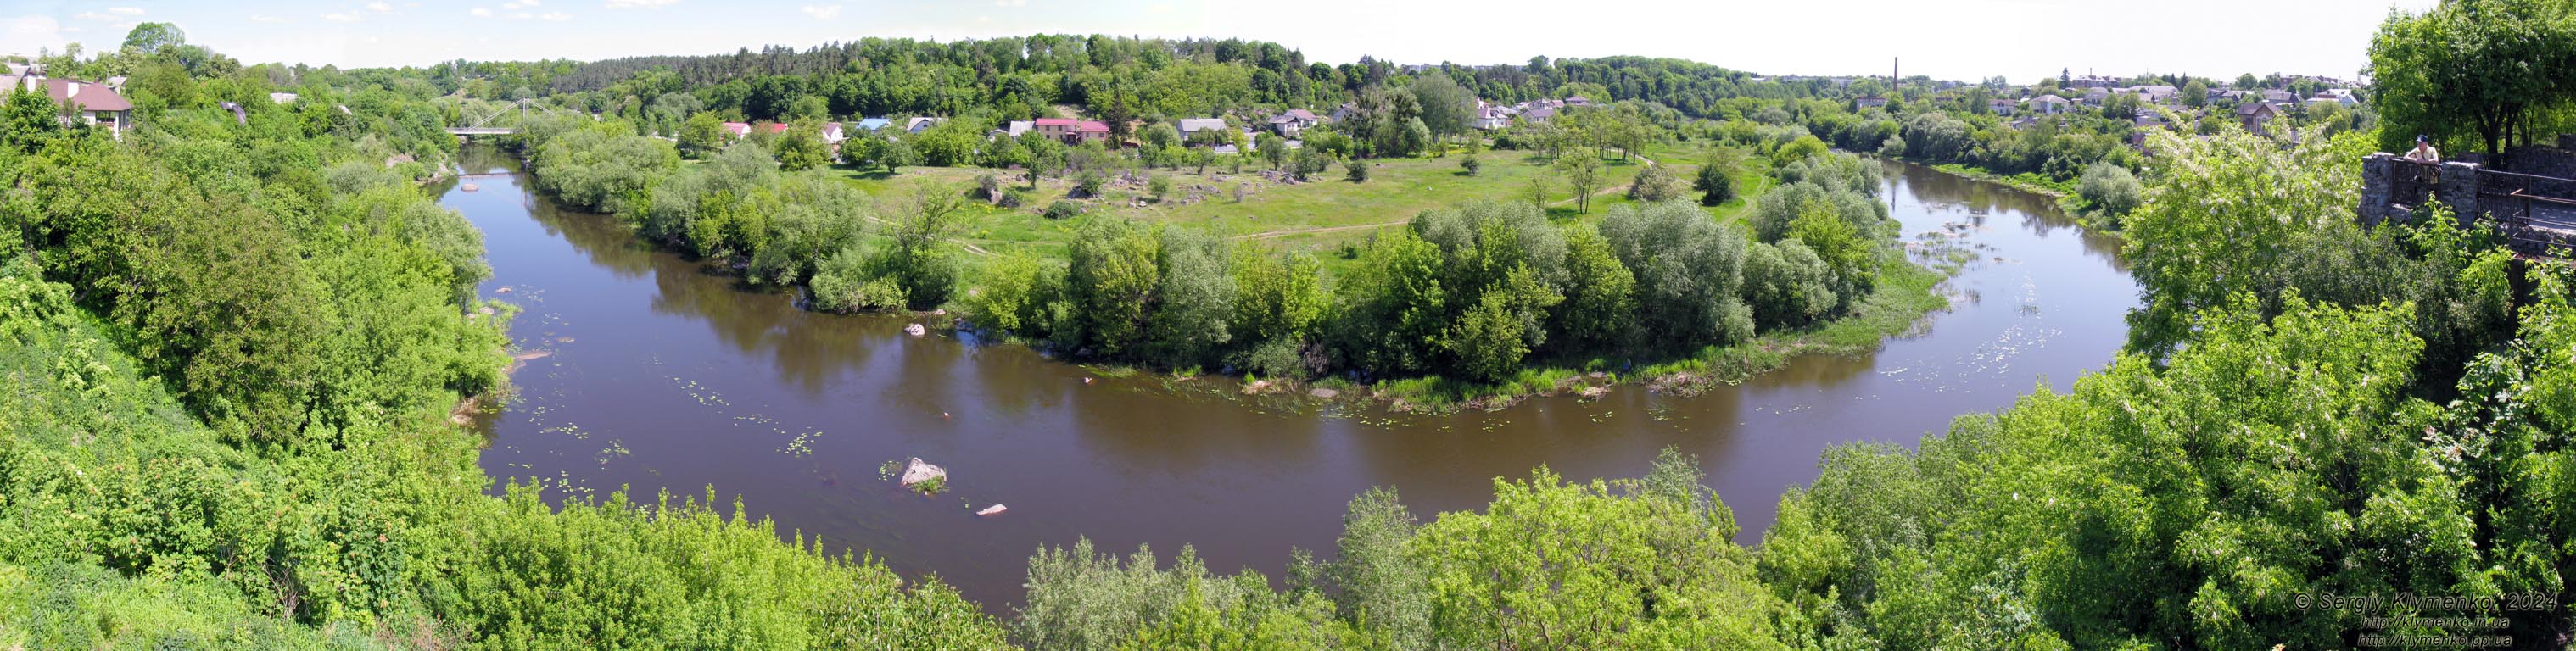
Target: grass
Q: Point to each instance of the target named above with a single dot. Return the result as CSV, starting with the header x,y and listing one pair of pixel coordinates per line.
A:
x,y
1317,216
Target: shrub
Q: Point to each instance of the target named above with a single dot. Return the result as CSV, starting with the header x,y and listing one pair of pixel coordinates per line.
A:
x,y
1356,170
1655,184
1063,209
1715,185
2110,189
1160,186
1013,198
1787,285
1470,164
849,283
1087,184
1892,147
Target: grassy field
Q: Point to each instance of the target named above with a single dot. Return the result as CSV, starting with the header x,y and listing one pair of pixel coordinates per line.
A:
x,y
1315,216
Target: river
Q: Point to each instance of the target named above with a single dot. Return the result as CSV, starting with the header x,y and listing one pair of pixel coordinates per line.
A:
x,y
663,375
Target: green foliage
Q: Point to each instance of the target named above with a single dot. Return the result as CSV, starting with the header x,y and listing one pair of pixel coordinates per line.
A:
x,y
2110,189
801,148
1689,271
1715,183
1063,209
702,135
1470,165
1356,170
1109,281
1788,285
1012,294
2484,70
1655,184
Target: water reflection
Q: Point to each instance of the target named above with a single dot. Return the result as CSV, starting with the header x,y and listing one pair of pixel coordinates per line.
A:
x,y
675,378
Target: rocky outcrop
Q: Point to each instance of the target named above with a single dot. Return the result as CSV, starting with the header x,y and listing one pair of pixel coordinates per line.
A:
x,y
916,472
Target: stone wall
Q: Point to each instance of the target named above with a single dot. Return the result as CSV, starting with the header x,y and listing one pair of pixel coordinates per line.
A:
x,y
2384,176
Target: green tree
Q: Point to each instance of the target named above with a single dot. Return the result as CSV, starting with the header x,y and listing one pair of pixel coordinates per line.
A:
x,y
151,38
1110,279
801,149
2486,66
1583,176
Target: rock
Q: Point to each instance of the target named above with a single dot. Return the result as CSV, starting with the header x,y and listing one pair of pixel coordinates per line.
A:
x,y
503,290
1594,392
915,330
486,311
469,187
1257,386
916,472
996,509
1324,393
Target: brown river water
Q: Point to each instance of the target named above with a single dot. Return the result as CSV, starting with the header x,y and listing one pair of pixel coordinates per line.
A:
x,y
665,375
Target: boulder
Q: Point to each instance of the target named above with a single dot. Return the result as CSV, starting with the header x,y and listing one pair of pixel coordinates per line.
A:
x,y
916,472
1324,393
996,509
915,330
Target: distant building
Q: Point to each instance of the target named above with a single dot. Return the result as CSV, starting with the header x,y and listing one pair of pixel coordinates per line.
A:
x,y
1869,101
2253,115
2050,105
1193,126
281,98
1012,129
2000,106
88,103
919,124
738,129
873,124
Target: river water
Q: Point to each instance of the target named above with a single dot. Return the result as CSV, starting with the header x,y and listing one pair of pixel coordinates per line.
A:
x,y
663,375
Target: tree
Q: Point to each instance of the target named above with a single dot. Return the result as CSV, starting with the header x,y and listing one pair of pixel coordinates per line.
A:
x,y
702,135
1655,184
2195,94
151,38
801,148
1159,186
1715,184
1356,170
1535,192
1111,275
1688,270
2484,65
1272,148
1448,109
1583,176
1470,164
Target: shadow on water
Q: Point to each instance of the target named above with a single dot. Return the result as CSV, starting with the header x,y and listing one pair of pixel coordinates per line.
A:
x,y
665,377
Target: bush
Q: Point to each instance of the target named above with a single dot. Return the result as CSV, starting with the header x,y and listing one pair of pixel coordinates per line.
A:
x,y
1892,147
1160,186
848,283
2110,189
1013,198
1356,170
1063,209
1787,285
1715,185
1087,184
1471,165
1655,184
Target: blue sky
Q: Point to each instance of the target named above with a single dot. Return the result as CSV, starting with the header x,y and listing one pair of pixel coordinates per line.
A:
x,y
1957,39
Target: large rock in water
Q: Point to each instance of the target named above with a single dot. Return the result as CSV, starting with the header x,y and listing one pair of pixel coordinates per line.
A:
x,y
917,472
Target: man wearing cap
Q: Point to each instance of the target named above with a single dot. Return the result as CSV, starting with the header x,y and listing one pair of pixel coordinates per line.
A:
x,y
2424,151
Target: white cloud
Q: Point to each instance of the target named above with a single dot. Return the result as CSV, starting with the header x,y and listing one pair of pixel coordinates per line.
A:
x,y
380,7
341,18
1010,3
530,3
126,11
634,4
267,20
92,15
555,16
826,12
509,6
522,16
479,12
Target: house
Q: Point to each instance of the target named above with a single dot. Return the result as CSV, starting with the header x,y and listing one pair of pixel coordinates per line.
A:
x,y
2096,96
2155,94
1345,111
1538,114
87,103
1090,131
2342,96
1578,100
1059,129
1193,126
2220,95
1012,129
919,124
2024,123
2000,106
1489,117
2254,114
777,127
738,129
281,98
1869,101
2050,105
871,125
832,134
1290,123
2278,97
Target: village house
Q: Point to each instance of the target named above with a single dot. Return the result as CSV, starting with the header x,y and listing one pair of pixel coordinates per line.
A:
x,y
281,98
1011,129
88,103
2000,106
1294,121
2254,114
1191,127
1869,101
1577,100
2050,105
1070,131
921,123
1490,117
2155,94
2342,96
1536,115
738,129
832,134
871,125
2096,96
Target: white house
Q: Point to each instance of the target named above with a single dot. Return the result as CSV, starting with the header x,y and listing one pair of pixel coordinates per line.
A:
x,y
89,103
1192,126
2050,105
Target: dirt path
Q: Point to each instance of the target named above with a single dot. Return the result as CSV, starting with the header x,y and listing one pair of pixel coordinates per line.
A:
x,y
1327,229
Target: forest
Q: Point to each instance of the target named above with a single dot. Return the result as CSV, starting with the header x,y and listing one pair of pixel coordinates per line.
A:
x,y
234,345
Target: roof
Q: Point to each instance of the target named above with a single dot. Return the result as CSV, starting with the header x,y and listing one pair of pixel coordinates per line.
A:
x,y
88,96
873,124
777,127
281,98
1194,124
1091,126
1055,122
2251,109
1303,114
2049,99
738,128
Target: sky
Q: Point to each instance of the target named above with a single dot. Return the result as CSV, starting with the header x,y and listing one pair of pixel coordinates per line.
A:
x,y
2021,40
